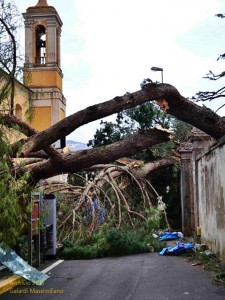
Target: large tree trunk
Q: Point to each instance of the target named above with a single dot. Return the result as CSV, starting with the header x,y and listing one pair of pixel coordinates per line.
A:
x,y
176,105
164,94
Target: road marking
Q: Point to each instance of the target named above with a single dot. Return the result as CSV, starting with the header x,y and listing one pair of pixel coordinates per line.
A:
x,y
52,266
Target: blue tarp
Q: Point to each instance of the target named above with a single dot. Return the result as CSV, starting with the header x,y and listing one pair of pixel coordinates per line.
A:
x,y
178,249
166,236
18,266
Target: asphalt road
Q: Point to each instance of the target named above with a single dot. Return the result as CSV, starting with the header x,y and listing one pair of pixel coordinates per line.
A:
x,y
136,277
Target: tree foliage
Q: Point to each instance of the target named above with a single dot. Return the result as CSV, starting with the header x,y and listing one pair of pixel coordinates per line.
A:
x,y
141,117
110,132
146,115
15,193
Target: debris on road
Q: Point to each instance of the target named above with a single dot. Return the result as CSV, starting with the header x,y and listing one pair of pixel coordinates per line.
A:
x,y
19,267
178,249
166,236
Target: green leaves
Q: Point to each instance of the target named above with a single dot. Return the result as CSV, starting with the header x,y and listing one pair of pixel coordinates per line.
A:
x,y
14,194
112,242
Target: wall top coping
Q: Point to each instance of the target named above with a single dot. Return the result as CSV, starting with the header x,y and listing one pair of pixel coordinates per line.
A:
x,y
213,147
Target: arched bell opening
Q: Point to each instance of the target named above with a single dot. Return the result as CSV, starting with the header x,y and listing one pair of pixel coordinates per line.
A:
x,y
40,35
18,111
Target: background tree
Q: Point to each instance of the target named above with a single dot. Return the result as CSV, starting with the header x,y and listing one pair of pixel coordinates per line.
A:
x,y
10,58
110,132
219,93
14,191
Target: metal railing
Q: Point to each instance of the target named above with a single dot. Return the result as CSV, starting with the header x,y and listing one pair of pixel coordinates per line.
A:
x,y
40,60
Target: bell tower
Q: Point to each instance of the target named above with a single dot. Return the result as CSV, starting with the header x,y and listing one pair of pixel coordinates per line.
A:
x,y
42,68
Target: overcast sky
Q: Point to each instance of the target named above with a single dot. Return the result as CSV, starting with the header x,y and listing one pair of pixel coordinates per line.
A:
x,y
109,47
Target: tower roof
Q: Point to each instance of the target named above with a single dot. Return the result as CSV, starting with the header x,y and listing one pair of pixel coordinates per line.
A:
x,y
41,6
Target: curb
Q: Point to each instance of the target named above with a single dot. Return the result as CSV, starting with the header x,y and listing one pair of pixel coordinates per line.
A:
x,y
9,283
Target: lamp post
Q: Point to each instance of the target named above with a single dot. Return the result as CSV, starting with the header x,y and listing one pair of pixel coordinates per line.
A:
x,y
156,69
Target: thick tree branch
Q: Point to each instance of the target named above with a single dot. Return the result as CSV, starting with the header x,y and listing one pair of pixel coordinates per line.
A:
x,y
178,106
10,121
86,158
155,165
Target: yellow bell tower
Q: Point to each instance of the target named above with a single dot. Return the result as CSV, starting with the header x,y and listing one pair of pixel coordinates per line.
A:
x,y
42,69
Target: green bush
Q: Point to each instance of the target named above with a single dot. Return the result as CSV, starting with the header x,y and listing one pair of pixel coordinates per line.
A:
x,y
112,242
82,252
116,241
154,220
126,242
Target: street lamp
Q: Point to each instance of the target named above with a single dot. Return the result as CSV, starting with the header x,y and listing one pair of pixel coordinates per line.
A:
x,y
156,69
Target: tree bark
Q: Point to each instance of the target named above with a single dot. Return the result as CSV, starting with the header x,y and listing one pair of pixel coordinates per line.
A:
x,y
178,106
87,158
165,95
156,165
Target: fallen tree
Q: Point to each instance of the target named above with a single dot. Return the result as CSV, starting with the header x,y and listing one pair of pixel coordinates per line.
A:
x,y
57,162
165,95
40,160
48,161
124,198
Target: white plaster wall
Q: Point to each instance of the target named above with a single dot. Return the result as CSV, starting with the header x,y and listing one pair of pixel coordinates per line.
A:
x,y
211,195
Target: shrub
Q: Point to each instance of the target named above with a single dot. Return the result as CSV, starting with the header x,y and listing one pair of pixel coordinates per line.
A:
x,y
112,242
154,220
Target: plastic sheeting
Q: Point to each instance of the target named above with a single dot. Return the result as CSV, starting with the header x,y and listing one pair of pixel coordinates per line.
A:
x,y
178,249
166,236
19,267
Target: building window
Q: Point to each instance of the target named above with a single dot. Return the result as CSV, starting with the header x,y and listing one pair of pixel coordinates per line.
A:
x,y
18,111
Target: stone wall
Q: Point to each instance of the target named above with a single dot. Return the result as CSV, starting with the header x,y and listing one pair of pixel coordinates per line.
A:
x,y
203,190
